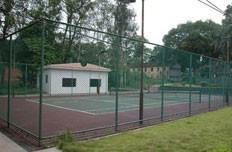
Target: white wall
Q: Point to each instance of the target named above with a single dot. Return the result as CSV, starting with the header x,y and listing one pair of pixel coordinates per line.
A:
x,y
54,86
46,86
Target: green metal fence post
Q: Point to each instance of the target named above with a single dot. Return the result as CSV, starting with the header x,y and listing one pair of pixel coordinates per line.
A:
x,y
162,85
200,101
116,101
210,68
13,85
227,82
9,84
223,84
117,60
141,97
26,77
190,85
41,83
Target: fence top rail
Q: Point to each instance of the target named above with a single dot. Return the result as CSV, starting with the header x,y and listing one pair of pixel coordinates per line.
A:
x,y
22,29
17,63
42,20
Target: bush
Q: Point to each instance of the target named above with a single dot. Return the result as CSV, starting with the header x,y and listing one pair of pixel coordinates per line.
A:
x,y
65,139
204,84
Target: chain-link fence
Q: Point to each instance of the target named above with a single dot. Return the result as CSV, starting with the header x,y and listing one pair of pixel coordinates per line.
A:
x,y
56,77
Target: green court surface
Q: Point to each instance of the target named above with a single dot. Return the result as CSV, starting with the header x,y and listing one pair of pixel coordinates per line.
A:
x,y
127,102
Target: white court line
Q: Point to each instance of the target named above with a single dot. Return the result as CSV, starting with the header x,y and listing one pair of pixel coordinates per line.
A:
x,y
70,109
102,109
130,107
134,107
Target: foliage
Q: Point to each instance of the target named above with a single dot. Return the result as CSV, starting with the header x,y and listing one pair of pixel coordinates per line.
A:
x,y
197,37
64,140
224,42
4,50
66,43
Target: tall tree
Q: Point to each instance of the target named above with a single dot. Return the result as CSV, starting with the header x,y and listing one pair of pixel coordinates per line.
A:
x,y
225,41
197,37
6,16
75,13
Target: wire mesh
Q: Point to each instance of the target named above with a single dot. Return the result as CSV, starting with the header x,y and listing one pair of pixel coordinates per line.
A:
x,y
3,91
88,80
201,82
178,78
24,87
217,84
227,82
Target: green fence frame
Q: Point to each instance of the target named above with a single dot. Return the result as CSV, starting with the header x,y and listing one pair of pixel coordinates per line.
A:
x,y
116,69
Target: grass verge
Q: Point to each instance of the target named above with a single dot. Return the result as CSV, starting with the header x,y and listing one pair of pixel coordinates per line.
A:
x,y
210,132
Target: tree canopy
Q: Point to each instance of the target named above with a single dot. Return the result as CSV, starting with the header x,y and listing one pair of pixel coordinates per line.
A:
x,y
65,43
197,37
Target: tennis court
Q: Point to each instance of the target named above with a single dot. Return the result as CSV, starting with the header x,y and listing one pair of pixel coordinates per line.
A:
x,y
102,104
101,86
80,113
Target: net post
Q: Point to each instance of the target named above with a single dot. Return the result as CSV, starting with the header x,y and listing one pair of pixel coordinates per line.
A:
x,y
41,83
9,83
162,85
210,68
190,85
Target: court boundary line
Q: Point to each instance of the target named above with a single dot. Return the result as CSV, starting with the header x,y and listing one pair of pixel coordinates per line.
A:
x,y
90,113
134,108
94,112
59,107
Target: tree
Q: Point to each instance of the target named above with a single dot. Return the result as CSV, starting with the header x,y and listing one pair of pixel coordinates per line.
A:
x,y
197,37
225,39
76,13
6,16
67,41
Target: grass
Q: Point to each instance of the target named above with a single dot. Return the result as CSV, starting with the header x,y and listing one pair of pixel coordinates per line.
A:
x,y
210,132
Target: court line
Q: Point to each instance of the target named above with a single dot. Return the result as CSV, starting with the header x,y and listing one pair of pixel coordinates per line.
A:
x,y
172,102
70,109
134,107
130,107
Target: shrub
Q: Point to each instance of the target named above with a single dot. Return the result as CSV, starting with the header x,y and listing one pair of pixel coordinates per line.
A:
x,y
65,139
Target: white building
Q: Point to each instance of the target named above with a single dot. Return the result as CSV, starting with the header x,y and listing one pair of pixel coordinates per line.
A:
x,y
64,79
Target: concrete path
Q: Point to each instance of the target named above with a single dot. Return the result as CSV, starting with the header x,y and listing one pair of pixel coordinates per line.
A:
x,y
7,145
49,150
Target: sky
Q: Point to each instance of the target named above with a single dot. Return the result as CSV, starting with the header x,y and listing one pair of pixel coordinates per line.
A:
x,y
163,15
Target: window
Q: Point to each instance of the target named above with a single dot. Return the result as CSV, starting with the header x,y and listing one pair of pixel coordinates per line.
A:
x,y
145,69
46,78
68,82
158,69
151,69
95,82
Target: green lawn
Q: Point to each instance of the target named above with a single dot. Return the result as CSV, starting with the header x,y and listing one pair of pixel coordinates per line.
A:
x,y
210,132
